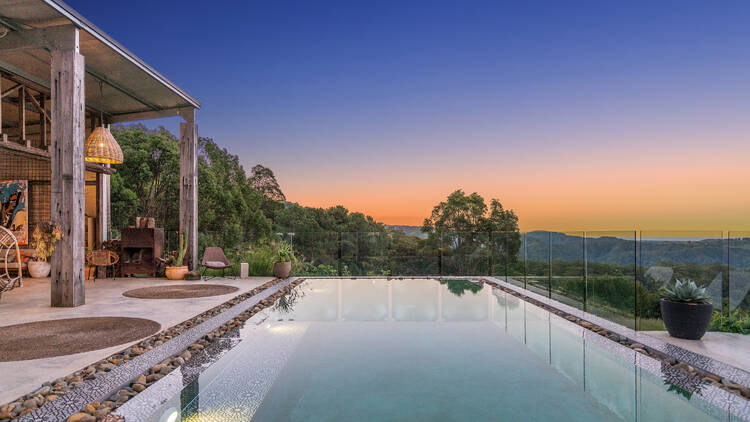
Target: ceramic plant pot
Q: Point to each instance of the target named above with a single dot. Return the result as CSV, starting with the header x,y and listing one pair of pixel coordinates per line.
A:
x,y
686,320
176,273
39,269
282,269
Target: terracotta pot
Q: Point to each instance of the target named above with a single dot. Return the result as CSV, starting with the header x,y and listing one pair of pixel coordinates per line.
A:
x,y
39,269
176,273
282,269
686,320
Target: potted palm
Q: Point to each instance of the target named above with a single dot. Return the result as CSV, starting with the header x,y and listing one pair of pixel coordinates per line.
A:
x,y
284,257
45,236
175,269
686,310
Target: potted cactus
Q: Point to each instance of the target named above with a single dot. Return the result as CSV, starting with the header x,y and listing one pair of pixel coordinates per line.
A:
x,y
284,257
175,269
686,310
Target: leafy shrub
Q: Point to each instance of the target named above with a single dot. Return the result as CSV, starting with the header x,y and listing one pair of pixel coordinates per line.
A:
x,y
284,252
259,259
736,322
322,270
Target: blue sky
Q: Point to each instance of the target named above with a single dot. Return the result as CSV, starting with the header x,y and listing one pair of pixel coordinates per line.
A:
x,y
350,101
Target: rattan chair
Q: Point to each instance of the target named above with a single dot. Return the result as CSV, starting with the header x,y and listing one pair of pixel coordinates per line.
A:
x,y
214,258
10,261
102,258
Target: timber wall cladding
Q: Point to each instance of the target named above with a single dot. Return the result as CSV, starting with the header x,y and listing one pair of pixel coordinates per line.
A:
x,y
37,172
18,166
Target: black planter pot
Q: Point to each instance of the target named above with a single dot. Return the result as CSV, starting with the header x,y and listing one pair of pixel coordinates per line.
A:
x,y
686,320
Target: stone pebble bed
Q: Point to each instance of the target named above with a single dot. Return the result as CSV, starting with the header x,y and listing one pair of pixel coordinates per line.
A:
x,y
672,366
100,411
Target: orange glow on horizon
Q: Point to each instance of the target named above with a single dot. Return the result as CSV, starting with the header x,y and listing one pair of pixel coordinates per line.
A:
x,y
659,191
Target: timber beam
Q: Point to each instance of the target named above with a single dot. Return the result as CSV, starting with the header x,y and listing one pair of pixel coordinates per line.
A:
x,y
48,38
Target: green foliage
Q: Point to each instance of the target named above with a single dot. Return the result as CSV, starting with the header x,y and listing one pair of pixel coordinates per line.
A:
x,y
147,185
738,321
686,291
322,270
464,226
264,181
260,259
284,252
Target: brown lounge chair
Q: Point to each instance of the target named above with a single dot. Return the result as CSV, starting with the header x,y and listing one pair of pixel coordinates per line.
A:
x,y
214,258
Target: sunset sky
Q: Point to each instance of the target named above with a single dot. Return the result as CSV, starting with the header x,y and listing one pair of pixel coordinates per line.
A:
x,y
578,115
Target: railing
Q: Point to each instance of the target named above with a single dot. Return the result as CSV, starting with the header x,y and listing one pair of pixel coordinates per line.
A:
x,y
616,275
613,274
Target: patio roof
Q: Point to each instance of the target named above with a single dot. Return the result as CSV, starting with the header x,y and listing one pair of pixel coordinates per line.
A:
x,y
132,90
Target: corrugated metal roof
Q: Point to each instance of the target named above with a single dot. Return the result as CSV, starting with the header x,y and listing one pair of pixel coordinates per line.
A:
x,y
129,84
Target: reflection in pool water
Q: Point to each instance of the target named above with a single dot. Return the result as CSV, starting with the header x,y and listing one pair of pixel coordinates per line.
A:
x,y
375,349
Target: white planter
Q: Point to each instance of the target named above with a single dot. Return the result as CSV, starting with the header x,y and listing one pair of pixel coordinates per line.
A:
x,y
39,269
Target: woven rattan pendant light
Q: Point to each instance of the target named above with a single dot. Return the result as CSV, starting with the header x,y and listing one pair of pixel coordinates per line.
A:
x,y
101,146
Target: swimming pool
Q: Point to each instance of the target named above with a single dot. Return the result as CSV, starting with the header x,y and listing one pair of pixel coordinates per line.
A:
x,y
423,350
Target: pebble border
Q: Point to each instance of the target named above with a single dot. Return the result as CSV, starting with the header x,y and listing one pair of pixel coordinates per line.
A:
x,y
100,378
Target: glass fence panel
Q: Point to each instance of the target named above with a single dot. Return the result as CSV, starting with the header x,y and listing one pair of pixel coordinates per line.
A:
x,y
317,253
670,255
738,300
567,269
537,249
464,253
506,257
610,275
365,253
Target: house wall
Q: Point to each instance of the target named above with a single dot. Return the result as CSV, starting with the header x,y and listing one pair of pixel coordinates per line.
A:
x,y
19,166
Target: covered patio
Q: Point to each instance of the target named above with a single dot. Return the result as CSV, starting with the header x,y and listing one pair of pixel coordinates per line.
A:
x,y
60,78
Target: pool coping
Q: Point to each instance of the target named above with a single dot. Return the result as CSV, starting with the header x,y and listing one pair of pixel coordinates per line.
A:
x,y
98,389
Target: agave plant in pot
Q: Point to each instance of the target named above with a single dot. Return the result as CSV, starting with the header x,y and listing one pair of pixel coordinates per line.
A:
x,y
284,257
175,269
686,310
45,237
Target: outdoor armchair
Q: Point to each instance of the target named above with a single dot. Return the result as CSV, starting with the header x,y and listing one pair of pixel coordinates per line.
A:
x,y
214,258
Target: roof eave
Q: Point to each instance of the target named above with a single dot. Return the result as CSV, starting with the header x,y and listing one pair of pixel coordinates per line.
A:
x,y
97,33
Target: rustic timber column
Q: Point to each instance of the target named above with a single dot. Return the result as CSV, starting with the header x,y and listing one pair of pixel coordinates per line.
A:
x,y
67,179
189,183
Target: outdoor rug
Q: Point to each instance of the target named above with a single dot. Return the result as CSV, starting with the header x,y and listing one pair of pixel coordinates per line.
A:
x,y
59,337
180,291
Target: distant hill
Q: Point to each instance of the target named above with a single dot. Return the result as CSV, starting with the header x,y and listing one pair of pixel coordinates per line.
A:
x,y
409,231
612,250
541,245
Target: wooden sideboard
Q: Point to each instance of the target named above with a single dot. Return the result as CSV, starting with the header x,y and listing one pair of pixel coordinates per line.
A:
x,y
141,249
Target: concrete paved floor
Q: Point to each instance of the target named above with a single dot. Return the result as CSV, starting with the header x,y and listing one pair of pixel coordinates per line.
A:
x,y
730,348
103,298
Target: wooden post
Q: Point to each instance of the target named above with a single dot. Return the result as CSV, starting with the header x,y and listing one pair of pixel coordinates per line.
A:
x,y
22,114
189,183
68,174
44,121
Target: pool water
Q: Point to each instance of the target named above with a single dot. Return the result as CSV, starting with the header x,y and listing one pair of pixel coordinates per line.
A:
x,y
425,350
